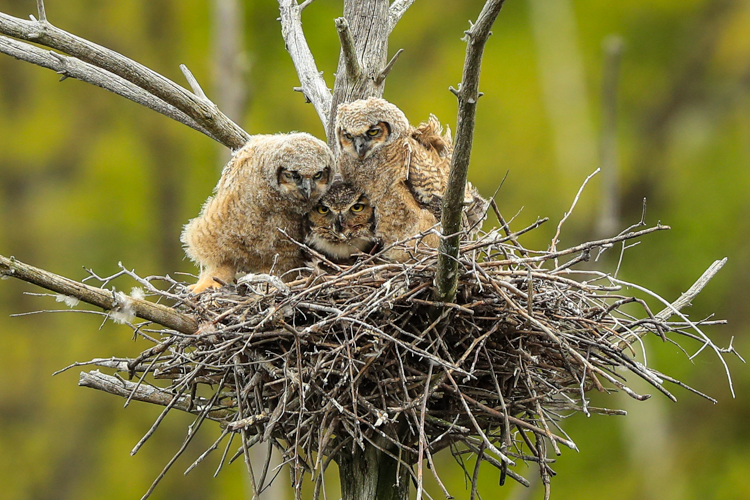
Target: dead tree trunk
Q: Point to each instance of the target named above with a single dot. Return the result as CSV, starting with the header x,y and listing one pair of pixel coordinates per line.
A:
x,y
370,474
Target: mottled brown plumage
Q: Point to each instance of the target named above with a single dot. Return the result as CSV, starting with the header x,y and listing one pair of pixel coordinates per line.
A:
x,y
403,169
342,224
269,184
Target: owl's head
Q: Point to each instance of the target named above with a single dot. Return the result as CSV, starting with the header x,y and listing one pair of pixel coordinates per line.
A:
x,y
342,223
302,168
366,125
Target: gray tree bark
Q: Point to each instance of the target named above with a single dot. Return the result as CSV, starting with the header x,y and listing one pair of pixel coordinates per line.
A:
x,y
370,474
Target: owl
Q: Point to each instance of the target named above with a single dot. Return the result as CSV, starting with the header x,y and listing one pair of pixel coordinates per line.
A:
x,y
268,185
342,224
403,169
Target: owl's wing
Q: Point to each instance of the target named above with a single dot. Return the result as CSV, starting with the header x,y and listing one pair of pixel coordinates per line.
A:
x,y
475,209
429,156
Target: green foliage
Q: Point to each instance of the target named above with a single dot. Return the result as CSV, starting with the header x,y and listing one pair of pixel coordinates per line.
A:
x,y
89,179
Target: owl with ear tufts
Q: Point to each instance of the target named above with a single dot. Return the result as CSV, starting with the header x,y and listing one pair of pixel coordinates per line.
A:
x,y
403,169
342,224
269,184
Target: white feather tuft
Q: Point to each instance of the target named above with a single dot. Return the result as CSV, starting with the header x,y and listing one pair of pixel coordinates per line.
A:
x,y
67,299
123,312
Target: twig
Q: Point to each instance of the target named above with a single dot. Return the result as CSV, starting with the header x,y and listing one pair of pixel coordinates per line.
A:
x,y
553,245
193,82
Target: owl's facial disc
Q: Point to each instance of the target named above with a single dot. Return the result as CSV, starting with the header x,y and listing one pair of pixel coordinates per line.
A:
x,y
362,144
293,184
303,187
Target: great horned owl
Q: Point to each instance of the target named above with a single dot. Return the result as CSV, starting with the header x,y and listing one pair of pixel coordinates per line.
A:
x,y
403,169
269,184
342,223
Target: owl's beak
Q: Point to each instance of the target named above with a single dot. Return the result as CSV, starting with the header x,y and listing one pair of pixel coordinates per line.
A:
x,y
340,223
362,146
306,187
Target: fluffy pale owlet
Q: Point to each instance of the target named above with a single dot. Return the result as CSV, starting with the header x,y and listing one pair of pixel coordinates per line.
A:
x,y
403,169
269,184
342,223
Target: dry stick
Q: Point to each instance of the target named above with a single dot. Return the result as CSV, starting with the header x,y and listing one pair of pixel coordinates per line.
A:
x,y
70,67
477,428
41,10
515,421
475,476
106,299
203,112
446,276
243,431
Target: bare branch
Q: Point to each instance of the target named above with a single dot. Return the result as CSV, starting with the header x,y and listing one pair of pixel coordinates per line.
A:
x,y
396,11
106,299
205,113
446,277
145,393
70,67
353,68
314,87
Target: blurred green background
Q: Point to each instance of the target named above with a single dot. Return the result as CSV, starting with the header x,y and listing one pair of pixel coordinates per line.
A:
x,y
89,179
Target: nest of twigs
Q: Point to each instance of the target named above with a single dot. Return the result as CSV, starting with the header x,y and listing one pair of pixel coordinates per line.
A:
x,y
362,356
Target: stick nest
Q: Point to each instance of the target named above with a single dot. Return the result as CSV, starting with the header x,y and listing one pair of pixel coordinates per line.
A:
x,y
361,356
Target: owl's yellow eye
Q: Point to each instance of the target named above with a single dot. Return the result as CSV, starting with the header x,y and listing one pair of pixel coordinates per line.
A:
x,y
317,176
322,209
373,131
358,207
347,136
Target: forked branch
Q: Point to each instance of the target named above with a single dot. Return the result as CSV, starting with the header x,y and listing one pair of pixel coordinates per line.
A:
x,y
70,67
202,111
446,277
